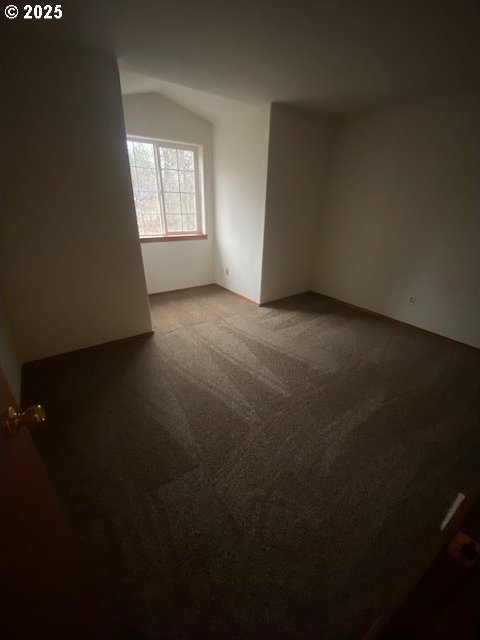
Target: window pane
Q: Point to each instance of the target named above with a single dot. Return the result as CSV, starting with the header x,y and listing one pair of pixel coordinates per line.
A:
x,y
185,159
174,222
170,180
131,156
187,181
179,172
168,158
141,229
152,225
133,172
148,213
146,179
144,154
189,223
172,202
188,203
147,203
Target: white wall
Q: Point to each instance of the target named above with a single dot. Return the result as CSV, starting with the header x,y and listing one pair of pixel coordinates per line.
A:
x,y
71,263
176,264
240,163
401,217
298,153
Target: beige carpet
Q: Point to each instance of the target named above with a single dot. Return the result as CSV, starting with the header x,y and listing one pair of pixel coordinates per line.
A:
x,y
263,473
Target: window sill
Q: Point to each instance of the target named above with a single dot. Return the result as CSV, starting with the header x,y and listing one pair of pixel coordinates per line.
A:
x,y
171,238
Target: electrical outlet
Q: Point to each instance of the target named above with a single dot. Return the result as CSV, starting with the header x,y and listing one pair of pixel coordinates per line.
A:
x,y
227,272
412,300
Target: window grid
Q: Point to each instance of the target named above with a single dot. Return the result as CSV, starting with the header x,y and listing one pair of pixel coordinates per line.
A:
x,y
177,195
158,176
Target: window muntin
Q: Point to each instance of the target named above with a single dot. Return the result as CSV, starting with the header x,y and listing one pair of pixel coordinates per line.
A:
x,y
166,187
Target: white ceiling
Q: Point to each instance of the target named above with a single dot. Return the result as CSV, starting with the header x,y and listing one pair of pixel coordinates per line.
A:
x,y
334,54
212,107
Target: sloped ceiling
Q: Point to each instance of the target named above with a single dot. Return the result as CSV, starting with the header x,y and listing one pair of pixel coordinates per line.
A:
x,y
334,54
212,107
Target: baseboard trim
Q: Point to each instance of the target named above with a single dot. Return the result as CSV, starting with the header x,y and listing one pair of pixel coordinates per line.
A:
x,y
291,295
195,286
240,295
394,320
200,286
137,336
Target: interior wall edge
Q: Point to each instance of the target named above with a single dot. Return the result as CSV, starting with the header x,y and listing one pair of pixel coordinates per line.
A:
x,y
378,314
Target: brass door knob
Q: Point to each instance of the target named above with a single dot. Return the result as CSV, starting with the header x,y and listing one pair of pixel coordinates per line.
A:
x,y
13,420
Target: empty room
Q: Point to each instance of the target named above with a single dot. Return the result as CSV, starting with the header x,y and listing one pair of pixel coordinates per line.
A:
x,y
240,320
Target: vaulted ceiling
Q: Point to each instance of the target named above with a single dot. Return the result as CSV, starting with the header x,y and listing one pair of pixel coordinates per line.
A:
x,y
334,54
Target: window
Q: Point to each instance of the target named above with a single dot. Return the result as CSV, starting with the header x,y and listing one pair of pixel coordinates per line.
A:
x,y
166,188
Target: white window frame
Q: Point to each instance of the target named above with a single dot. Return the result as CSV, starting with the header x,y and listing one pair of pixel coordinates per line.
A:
x,y
199,200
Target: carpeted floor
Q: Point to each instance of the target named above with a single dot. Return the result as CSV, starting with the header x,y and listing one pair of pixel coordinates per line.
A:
x,y
257,473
